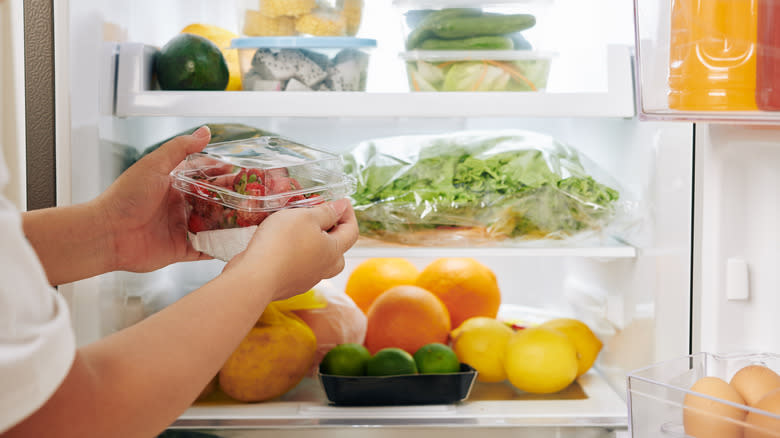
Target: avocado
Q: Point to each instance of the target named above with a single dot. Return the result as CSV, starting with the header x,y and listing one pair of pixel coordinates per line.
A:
x,y
191,62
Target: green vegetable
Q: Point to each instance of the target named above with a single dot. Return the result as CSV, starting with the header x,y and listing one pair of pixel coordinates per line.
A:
x,y
475,76
423,29
488,182
191,62
491,42
486,24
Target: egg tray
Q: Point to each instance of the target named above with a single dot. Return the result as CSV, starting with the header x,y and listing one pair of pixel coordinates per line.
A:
x,y
656,394
411,389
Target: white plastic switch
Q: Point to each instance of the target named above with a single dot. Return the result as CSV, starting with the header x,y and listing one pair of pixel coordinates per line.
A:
x,y
737,283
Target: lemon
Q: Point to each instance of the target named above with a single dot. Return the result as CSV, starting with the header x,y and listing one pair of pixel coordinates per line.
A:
x,y
390,362
345,360
585,341
436,358
481,342
540,360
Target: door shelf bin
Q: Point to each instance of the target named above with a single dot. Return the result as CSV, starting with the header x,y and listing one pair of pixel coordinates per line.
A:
x,y
656,394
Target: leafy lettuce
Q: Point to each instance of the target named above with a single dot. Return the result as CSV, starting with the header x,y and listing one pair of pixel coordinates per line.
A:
x,y
497,183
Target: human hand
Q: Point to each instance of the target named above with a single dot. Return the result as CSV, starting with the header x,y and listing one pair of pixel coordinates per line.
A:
x,y
146,214
298,247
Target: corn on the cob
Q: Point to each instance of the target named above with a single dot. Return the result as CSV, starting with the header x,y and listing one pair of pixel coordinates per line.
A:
x,y
321,24
352,11
257,24
291,8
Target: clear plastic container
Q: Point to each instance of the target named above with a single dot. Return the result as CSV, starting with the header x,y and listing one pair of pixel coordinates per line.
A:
x,y
712,64
657,399
477,70
301,17
235,185
304,63
768,56
471,24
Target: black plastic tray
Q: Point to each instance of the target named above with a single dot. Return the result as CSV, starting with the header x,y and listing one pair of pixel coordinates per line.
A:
x,y
399,390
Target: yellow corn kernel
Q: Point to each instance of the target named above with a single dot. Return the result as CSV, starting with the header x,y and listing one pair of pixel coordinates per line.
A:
x,y
352,11
321,24
257,24
292,8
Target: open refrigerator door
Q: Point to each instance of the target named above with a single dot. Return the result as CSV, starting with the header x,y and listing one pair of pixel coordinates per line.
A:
x,y
714,63
630,285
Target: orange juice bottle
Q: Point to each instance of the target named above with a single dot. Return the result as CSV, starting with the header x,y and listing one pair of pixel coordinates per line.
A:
x,y
713,55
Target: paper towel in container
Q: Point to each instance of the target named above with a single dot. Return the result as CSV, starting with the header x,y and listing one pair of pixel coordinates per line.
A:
x,y
229,188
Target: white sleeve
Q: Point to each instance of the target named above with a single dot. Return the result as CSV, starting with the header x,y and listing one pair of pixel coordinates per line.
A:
x,y
37,344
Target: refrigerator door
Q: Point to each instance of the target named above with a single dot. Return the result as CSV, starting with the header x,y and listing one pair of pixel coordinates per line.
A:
x,y
635,291
737,211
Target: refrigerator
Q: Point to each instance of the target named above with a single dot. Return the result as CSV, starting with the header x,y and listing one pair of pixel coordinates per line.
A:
x,y
696,272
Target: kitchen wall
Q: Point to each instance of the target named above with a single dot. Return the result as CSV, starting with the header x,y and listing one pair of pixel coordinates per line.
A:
x,y
12,99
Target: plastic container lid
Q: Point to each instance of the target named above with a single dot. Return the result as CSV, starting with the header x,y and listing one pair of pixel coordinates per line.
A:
x,y
475,55
290,174
441,4
290,42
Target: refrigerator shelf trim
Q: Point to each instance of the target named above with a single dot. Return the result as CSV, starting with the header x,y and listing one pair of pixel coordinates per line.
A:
x,y
135,97
599,252
306,407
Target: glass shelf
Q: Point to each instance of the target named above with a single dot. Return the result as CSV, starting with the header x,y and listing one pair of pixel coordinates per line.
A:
x,y
135,97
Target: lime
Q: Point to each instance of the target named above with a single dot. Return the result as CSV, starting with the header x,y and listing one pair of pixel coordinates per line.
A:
x,y
345,360
436,358
391,362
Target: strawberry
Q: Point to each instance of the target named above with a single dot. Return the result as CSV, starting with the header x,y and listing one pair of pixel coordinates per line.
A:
x,y
245,177
197,223
255,189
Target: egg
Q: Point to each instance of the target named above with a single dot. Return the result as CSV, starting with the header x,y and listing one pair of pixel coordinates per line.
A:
x,y
705,418
753,382
764,426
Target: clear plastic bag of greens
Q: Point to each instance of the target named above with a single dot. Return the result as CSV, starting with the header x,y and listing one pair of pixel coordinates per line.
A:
x,y
497,187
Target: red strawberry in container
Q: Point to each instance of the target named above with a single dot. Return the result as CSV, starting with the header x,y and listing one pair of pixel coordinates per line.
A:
x,y
246,177
247,218
232,185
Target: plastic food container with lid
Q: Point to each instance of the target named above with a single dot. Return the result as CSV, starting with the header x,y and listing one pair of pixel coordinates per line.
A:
x,y
477,70
231,187
473,24
671,398
300,17
304,63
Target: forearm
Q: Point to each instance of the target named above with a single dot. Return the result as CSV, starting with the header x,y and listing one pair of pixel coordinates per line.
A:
x,y
71,242
142,378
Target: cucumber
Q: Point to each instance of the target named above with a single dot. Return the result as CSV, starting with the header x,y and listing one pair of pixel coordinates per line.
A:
x,y
423,29
490,42
487,24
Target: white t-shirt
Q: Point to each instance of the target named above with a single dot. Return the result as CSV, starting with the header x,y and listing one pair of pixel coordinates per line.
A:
x,y
37,344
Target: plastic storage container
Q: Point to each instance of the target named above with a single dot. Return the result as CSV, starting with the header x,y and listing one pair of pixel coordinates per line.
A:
x,y
768,56
471,24
658,408
477,70
712,64
232,186
301,17
304,63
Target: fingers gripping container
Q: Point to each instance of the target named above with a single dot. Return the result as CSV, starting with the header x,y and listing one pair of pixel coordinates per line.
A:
x,y
231,187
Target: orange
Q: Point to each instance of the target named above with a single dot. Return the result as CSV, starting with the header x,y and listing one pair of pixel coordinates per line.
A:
x,y
376,275
467,287
406,317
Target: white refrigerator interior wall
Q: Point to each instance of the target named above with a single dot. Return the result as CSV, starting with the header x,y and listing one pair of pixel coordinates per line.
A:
x,y
12,98
737,282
